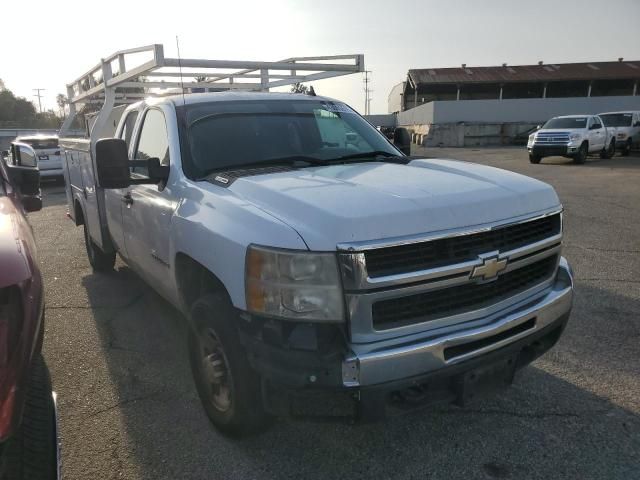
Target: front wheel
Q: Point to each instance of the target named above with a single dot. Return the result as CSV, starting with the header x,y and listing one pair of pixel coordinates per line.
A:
x,y
32,452
228,386
99,260
534,158
581,156
609,151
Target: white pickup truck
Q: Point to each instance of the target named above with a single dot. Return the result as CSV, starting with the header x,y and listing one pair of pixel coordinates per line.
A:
x,y
322,271
572,136
626,126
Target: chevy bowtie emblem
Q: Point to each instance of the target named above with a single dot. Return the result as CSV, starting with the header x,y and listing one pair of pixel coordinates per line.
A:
x,y
489,269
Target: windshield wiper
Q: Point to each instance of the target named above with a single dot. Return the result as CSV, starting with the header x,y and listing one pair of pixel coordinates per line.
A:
x,y
378,155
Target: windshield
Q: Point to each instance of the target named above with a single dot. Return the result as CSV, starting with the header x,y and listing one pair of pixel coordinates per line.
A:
x,y
617,119
567,122
224,135
41,143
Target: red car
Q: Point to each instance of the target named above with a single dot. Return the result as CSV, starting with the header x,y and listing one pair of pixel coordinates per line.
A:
x,y
28,444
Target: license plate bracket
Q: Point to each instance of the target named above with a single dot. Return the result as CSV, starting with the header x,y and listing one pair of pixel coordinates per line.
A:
x,y
486,378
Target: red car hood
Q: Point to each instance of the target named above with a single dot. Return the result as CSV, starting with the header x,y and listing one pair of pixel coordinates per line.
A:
x,y
14,262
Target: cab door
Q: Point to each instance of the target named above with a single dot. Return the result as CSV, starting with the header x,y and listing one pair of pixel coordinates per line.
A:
x,y
597,134
115,198
148,208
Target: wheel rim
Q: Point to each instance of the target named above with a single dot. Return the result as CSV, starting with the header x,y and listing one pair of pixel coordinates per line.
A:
x,y
215,370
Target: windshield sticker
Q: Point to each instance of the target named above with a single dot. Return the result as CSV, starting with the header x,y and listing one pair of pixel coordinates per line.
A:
x,y
337,107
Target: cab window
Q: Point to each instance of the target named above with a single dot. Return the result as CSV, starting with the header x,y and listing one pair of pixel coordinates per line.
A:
x,y
127,128
153,141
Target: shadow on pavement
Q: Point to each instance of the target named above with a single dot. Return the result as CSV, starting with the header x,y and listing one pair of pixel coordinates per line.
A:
x,y
543,427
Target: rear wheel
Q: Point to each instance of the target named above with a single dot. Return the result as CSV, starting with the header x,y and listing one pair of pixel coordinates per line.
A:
x,y
581,156
626,149
610,150
32,453
228,386
99,260
534,158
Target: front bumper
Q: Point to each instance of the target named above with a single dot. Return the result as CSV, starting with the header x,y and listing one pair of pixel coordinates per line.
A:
x,y
553,150
415,359
361,383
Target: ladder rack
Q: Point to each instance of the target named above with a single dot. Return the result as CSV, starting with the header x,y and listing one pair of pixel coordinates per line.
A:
x,y
127,76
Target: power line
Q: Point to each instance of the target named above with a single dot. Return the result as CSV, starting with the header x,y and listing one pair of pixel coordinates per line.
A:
x,y
367,92
39,97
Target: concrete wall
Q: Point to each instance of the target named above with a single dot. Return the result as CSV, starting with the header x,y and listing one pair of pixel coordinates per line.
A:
x,y
381,120
513,110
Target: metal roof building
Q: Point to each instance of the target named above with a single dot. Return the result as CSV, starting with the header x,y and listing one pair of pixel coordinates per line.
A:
x,y
592,79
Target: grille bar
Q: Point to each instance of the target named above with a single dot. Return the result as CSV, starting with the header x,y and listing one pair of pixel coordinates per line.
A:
x,y
451,250
430,305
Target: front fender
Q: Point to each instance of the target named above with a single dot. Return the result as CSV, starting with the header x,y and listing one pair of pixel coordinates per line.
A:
x,y
214,227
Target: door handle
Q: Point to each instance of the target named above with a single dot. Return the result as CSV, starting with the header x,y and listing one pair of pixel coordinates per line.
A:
x,y
127,200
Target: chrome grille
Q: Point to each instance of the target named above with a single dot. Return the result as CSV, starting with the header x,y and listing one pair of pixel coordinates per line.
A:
x,y
552,138
447,251
426,306
439,281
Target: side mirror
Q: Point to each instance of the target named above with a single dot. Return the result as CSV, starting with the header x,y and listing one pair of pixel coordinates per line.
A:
x,y
637,124
112,163
5,153
402,140
24,179
32,203
538,127
594,127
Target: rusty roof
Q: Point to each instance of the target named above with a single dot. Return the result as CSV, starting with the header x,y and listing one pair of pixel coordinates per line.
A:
x,y
528,73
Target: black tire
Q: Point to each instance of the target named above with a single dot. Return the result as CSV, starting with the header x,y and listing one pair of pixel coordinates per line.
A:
x,y
534,158
32,452
626,149
228,386
610,151
581,156
99,260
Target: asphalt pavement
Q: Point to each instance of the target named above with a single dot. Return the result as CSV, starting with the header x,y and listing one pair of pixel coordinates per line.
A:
x,y
129,409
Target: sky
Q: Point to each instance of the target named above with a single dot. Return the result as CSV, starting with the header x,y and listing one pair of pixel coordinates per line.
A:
x,y
66,38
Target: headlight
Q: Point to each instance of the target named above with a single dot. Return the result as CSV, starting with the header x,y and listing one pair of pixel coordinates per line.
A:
x,y
532,137
574,137
293,284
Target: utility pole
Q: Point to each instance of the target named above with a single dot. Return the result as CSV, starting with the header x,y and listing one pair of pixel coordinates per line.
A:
x,y
367,93
38,90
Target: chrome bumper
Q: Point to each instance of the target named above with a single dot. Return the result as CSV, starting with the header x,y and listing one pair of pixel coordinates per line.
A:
x,y
366,367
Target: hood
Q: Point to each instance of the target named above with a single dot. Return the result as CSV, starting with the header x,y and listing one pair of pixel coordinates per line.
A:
x,y
373,201
14,265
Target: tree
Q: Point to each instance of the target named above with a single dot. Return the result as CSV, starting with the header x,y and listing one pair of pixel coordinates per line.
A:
x,y
299,88
1,85
18,112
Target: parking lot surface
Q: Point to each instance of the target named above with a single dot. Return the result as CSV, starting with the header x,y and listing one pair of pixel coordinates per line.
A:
x,y
129,409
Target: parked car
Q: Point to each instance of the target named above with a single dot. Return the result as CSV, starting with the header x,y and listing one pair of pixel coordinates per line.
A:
x,y
626,126
28,444
47,151
321,278
572,136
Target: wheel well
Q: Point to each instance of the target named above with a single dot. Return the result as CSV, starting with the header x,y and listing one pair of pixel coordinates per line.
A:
x,y
194,280
79,215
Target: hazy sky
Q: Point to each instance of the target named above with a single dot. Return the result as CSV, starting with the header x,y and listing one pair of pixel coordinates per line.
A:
x,y
45,44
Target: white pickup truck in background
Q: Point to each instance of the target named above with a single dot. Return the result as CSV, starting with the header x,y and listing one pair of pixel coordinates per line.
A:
x,y
626,128
321,270
572,136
